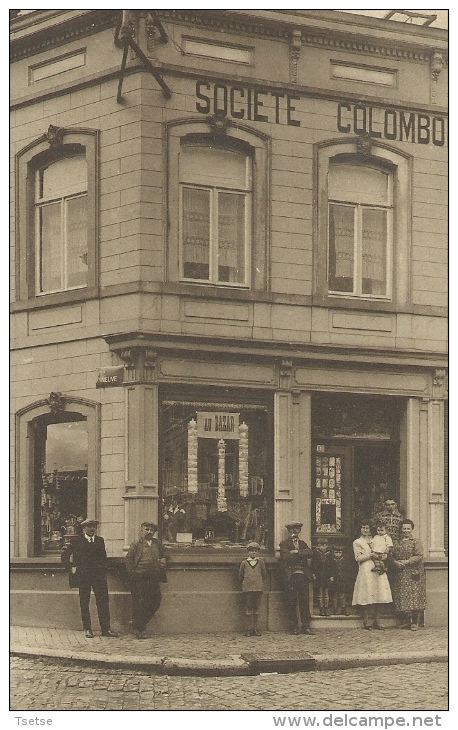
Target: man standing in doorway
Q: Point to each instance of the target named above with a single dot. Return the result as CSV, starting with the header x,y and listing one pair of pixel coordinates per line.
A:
x,y
86,557
144,561
392,518
294,560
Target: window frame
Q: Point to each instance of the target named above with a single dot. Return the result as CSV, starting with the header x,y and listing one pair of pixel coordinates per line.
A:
x,y
29,421
238,138
29,161
359,207
384,157
214,192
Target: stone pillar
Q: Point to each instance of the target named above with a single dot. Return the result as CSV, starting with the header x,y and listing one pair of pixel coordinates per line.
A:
x,y
292,449
141,498
424,477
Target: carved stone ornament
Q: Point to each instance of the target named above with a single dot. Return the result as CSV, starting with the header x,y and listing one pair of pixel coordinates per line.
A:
x,y
440,382
364,145
294,53
56,402
55,136
286,367
129,356
219,125
436,66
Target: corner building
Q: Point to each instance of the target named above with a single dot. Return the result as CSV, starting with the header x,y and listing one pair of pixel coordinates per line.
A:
x,y
229,290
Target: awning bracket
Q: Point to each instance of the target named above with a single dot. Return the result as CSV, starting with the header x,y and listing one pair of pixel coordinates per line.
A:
x,y
125,39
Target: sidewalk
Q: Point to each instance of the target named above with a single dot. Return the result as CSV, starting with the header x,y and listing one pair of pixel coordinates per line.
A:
x,y
233,654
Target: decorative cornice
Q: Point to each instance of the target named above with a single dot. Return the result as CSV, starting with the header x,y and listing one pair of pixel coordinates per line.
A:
x,y
61,33
95,21
338,40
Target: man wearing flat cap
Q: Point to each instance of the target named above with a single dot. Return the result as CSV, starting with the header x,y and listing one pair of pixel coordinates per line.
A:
x,y
86,557
294,561
145,562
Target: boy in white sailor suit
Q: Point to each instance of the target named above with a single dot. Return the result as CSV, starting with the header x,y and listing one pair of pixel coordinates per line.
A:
x,y
252,574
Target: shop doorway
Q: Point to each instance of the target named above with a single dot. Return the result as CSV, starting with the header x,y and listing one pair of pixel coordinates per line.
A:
x,y
355,467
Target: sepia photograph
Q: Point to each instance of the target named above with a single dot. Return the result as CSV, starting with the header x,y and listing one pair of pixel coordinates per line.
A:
x,y
229,366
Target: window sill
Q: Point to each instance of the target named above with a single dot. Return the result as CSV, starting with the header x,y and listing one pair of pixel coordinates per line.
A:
x,y
51,300
370,305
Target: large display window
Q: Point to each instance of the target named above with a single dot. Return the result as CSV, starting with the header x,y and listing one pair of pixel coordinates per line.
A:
x,y
215,473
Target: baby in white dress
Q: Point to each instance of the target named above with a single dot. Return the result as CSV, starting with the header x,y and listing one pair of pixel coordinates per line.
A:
x,y
381,544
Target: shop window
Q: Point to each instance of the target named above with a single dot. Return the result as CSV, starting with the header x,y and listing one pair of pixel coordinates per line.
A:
x,y
61,481
360,231
215,214
57,472
56,184
216,474
363,211
218,202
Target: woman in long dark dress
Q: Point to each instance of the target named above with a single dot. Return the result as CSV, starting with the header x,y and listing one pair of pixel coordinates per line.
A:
x,y
409,579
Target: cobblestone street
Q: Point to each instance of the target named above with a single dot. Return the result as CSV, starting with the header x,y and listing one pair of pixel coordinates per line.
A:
x,y
38,684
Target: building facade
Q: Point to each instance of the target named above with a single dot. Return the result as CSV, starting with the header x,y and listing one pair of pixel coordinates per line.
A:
x,y
229,291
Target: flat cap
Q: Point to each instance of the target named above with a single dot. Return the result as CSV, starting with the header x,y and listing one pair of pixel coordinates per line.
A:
x,y
88,521
253,546
149,524
290,525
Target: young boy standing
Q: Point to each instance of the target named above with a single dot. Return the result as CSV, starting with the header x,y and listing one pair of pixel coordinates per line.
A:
x,y
252,574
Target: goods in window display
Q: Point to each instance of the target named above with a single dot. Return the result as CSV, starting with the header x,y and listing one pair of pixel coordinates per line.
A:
x,y
214,468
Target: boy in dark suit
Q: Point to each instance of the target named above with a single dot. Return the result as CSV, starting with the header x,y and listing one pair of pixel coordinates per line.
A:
x,y
338,570
86,557
294,561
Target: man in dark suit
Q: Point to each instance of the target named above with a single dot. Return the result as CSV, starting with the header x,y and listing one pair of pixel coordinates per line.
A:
x,y
145,562
86,557
294,561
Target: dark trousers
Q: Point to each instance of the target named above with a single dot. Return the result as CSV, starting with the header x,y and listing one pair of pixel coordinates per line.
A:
x,y
100,587
146,599
297,594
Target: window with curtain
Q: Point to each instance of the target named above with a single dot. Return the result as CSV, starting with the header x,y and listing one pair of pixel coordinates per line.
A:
x,y
360,221
61,225
215,215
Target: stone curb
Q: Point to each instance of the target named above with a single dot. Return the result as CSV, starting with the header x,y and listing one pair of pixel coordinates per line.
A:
x,y
232,666
353,661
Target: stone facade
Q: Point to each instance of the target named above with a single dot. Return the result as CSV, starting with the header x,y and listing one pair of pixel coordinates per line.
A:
x,y
293,93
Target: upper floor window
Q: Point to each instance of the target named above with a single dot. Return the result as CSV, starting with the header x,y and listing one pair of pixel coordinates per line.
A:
x,y
360,230
362,249
218,204
215,188
56,204
61,225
